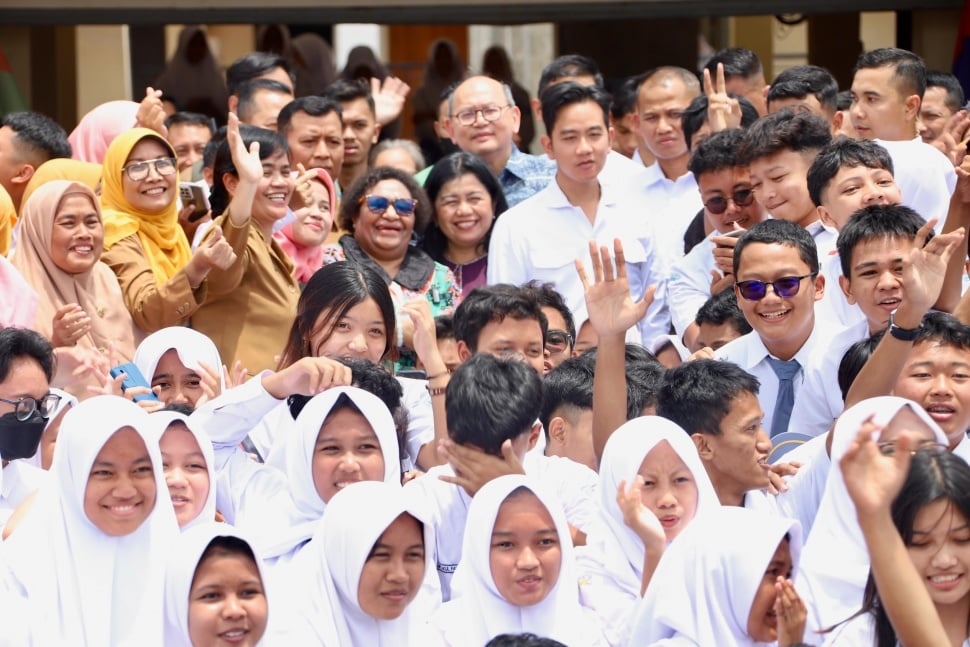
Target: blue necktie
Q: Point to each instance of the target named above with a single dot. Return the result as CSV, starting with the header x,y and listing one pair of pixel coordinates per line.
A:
x,y
786,372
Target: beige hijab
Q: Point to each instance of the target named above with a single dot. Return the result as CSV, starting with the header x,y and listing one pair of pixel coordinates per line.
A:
x,y
96,290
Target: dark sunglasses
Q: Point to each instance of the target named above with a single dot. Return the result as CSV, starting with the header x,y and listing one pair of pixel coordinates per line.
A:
x,y
719,204
379,204
785,287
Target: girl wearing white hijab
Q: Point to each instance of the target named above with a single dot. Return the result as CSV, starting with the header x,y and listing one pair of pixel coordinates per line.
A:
x,y
88,559
719,582
367,579
656,461
835,563
516,545
45,451
192,619
187,364
341,436
189,465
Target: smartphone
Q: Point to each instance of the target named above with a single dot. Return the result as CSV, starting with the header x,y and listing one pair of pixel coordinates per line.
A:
x,y
194,193
734,233
133,377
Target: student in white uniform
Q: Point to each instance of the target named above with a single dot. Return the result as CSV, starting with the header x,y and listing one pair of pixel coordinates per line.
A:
x,y
189,465
181,365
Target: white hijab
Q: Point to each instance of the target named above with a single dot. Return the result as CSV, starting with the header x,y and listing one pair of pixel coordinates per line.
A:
x,y
294,456
705,584
162,420
67,401
835,564
191,346
617,547
83,587
477,611
180,571
330,569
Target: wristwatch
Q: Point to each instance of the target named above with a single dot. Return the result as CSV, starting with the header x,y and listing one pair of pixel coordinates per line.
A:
x,y
902,334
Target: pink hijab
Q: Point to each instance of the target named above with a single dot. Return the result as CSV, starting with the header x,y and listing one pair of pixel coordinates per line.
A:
x,y
97,129
307,260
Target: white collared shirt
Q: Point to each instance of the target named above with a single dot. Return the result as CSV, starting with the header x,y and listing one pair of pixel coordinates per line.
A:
x,y
541,237
689,286
925,176
670,206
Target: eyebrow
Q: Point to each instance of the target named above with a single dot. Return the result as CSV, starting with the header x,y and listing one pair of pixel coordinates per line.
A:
x,y
190,454
389,547
928,363
874,263
508,533
367,435
965,526
104,463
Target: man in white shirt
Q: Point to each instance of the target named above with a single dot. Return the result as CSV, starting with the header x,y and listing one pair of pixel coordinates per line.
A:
x,y
729,205
887,90
541,238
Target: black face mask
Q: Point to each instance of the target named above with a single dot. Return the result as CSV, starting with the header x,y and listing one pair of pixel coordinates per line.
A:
x,y
20,438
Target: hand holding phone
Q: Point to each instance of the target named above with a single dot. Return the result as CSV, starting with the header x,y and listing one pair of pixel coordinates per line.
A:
x,y
133,378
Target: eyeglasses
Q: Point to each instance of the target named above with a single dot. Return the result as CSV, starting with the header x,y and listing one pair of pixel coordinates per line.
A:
x,y
888,448
139,170
379,204
785,287
25,407
719,204
557,341
488,113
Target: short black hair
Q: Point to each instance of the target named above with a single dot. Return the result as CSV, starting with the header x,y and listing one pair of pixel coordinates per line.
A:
x,y
190,119
252,65
16,343
247,95
843,101
802,80
270,143
954,91
560,95
548,297
569,66
910,75
840,153
625,99
737,61
342,90
722,308
490,400
944,329
787,129
876,221
444,327
522,640
212,146
567,390
350,204
716,152
779,232
38,137
644,375
496,302
695,115
312,105
697,394
854,359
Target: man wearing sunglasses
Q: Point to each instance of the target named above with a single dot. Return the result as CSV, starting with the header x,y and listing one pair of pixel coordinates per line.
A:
x,y
729,207
26,369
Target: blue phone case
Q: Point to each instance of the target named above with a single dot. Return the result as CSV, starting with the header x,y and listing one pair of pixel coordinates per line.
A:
x,y
133,377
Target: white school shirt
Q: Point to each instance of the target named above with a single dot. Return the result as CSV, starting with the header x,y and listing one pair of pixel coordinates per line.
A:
x,y
805,488
18,480
749,352
622,171
541,237
820,400
834,308
925,176
689,286
670,206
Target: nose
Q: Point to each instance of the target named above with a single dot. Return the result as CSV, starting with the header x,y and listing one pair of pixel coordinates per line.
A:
x,y
153,171
349,462
233,608
321,150
943,558
527,559
175,478
358,343
887,280
584,144
666,499
941,385
124,488
396,571
663,124
763,442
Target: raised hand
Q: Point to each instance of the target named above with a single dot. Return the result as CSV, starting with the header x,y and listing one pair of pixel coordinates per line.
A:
x,y
151,112
389,98
237,375
249,168
609,304
790,612
638,518
924,271
872,478
474,468
303,184
308,376
424,339
723,112
70,323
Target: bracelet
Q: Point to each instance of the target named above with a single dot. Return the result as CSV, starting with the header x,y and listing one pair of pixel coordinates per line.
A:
x,y
436,390
437,375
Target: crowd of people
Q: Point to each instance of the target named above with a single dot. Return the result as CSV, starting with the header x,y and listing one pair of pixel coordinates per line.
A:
x,y
697,373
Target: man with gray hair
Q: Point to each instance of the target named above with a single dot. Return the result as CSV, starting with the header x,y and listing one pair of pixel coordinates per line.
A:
x,y
482,119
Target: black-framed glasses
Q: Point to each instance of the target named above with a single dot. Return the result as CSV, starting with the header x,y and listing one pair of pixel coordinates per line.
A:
x,y
557,341
379,204
139,170
888,448
719,204
488,113
24,407
785,287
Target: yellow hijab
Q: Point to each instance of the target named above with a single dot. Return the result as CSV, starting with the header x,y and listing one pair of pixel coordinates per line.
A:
x,y
8,218
63,168
163,240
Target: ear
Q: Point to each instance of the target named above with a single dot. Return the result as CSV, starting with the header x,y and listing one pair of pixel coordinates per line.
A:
x,y
836,121
377,134
547,146
536,109
23,175
449,128
819,286
464,352
534,435
846,285
230,181
233,103
704,448
611,133
516,118
912,104
557,430
826,217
